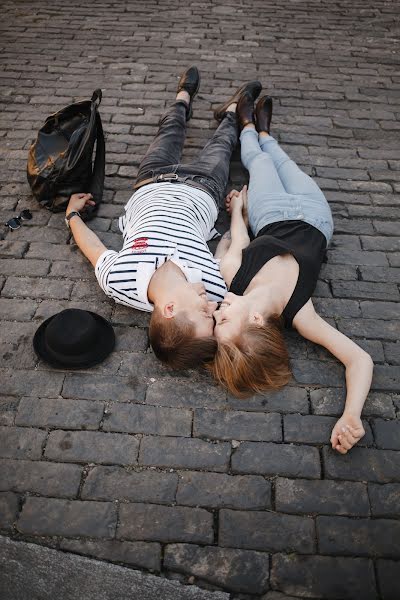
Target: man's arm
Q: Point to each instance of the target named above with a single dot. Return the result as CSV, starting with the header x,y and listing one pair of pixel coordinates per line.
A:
x,y
87,241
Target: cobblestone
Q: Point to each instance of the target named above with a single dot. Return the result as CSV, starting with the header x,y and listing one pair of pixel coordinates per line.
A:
x,y
108,483
271,532
166,472
45,516
321,497
39,477
153,522
89,446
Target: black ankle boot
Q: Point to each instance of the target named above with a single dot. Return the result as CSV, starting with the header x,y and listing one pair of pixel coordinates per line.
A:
x,y
264,114
245,110
253,88
190,83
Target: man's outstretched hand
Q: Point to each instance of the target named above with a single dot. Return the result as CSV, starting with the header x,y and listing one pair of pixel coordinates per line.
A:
x,y
79,202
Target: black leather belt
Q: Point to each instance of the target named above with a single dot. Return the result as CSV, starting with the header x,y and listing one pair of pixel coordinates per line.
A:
x,y
171,178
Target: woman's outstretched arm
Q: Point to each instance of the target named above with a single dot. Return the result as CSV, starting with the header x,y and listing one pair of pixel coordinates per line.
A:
x,y
359,367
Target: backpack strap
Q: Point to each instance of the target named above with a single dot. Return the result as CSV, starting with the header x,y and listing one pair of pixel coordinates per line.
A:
x,y
97,181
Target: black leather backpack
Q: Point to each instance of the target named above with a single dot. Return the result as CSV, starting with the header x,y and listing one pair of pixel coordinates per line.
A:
x,y
60,161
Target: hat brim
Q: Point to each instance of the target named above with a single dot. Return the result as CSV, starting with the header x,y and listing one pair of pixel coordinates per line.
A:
x,y
104,347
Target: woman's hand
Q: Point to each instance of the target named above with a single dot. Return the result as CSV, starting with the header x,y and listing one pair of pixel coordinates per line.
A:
x,y
238,201
347,432
80,201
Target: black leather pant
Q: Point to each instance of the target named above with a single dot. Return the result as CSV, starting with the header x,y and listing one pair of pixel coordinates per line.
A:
x,y
211,167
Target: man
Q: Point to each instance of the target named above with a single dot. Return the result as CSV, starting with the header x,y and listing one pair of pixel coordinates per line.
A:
x,y
165,265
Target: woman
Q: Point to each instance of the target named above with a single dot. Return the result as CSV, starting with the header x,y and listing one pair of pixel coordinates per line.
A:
x,y
271,279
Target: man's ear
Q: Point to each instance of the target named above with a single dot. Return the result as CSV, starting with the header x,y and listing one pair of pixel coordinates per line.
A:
x,y
257,319
169,310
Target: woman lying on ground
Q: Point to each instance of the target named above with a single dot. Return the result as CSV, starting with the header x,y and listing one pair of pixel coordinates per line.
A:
x,y
271,279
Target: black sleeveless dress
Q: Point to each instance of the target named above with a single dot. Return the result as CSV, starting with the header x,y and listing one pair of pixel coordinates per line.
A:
x,y
308,246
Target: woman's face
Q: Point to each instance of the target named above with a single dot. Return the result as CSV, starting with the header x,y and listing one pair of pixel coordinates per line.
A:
x,y
232,314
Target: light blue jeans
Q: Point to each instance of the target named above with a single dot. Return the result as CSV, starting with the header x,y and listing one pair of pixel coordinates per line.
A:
x,y
278,188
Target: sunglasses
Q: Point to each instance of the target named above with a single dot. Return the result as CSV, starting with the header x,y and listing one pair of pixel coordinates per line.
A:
x,y
16,222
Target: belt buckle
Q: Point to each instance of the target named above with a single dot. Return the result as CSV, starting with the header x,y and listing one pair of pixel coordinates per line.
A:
x,y
167,177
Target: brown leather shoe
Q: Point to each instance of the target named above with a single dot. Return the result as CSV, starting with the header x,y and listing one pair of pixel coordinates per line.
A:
x,y
253,87
190,83
264,114
245,110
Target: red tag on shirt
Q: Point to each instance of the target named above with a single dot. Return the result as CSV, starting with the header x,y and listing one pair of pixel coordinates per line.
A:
x,y
140,244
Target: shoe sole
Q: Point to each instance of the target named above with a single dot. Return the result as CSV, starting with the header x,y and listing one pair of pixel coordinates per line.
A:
x,y
190,112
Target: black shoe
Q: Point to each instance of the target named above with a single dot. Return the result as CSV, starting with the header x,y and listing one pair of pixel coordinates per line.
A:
x,y
190,83
253,88
264,114
245,110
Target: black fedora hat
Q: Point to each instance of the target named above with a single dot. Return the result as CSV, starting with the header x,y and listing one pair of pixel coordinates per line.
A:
x,y
74,339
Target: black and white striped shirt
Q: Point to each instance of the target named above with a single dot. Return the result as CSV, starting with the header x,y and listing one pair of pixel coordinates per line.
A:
x,y
162,221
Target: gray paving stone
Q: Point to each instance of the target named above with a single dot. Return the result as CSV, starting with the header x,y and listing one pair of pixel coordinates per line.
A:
x,y
33,569
144,555
276,459
39,477
375,329
8,409
110,483
361,537
24,382
392,353
389,584
48,308
387,434
57,412
386,378
311,429
238,425
154,420
19,442
217,490
22,287
235,570
184,453
121,389
321,497
365,464
9,507
324,576
328,401
315,372
384,499
23,310
365,290
15,249
183,394
92,446
152,522
286,400
267,531
69,518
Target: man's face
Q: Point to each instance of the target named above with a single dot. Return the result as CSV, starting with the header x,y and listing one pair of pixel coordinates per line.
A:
x,y
193,300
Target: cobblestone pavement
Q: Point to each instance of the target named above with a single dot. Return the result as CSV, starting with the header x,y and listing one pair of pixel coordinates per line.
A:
x,y
128,462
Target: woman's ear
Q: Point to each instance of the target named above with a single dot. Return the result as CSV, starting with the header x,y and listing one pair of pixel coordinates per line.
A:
x,y
257,319
169,310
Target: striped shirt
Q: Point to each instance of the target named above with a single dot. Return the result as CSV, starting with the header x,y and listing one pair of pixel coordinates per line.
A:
x,y
162,221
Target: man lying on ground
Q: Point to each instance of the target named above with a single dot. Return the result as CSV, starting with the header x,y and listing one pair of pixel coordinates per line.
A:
x,y
165,265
